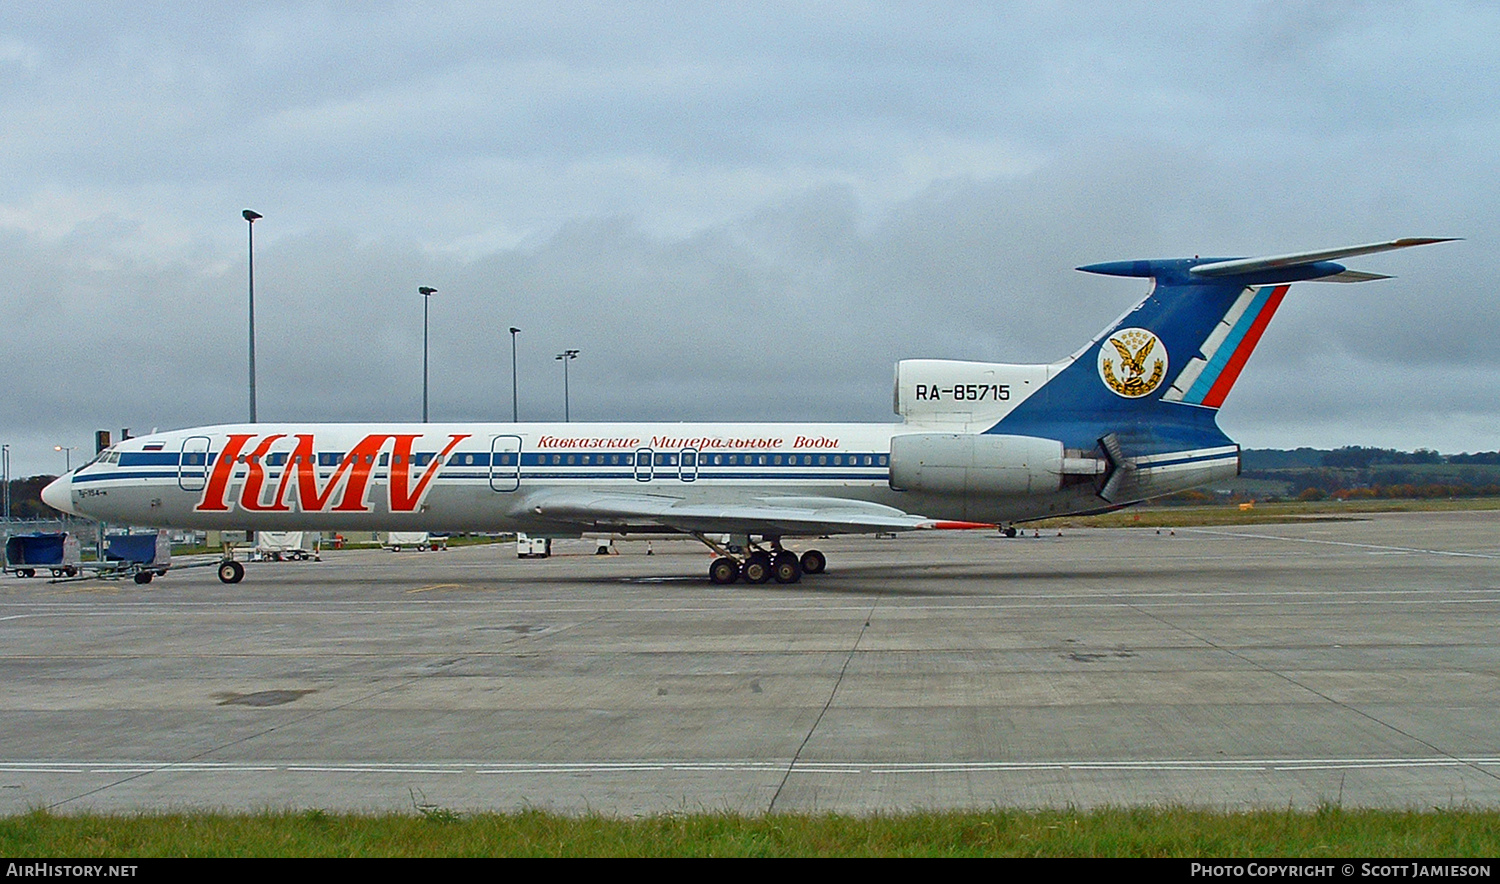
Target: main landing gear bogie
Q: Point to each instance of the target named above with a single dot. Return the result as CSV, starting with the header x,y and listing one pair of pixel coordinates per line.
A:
x,y
761,566
757,568
785,567
724,571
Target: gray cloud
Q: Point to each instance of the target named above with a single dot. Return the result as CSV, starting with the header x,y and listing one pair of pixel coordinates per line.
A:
x,y
733,214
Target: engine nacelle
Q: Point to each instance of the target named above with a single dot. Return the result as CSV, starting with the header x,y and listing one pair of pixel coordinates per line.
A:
x,y
976,464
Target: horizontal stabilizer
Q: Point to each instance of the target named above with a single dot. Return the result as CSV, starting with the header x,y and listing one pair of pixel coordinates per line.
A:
x,y
1239,266
1353,276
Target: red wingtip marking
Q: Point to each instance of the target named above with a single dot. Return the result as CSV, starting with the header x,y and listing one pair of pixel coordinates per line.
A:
x,y
961,526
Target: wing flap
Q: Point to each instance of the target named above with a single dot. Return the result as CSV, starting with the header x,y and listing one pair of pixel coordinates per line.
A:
x,y
769,516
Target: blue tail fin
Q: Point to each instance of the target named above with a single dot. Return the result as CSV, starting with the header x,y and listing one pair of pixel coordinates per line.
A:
x,y
1155,378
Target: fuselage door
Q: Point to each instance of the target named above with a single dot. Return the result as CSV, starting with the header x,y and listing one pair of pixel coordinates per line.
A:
x,y
505,463
192,466
645,464
687,464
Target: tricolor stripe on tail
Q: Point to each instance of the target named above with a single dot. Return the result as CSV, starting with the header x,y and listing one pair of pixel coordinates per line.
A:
x,y
1207,379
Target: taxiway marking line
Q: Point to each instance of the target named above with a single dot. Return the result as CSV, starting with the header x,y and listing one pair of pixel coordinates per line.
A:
x,y
852,767
1369,546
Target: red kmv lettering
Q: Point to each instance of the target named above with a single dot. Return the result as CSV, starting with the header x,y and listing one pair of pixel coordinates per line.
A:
x,y
353,474
403,498
216,490
255,478
353,471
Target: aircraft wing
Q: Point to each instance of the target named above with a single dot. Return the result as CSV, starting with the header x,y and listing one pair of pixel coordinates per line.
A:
x,y
767,516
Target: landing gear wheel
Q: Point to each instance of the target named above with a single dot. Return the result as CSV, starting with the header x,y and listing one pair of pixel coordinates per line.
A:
x,y
813,562
724,571
1009,531
757,568
231,572
785,568
143,577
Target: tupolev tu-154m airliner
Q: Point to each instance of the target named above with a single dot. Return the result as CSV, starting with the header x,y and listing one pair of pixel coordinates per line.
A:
x,y
1130,416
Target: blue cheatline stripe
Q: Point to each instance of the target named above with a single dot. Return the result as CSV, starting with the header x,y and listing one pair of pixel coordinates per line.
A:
x,y
468,459
664,476
1231,342
148,459
151,474
661,475
1177,462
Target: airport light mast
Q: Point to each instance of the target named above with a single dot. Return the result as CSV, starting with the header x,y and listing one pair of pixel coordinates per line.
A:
x,y
426,292
250,218
515,409
565,357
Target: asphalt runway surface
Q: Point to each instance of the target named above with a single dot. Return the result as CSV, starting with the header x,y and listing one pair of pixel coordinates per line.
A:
x,y
1347,662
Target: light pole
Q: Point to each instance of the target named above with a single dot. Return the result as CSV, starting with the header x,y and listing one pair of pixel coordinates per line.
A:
x,y
67,454
5,468
250,218
515,409
426,292
565,357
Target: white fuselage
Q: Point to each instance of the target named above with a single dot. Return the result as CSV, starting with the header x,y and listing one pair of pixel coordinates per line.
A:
x,y
487,477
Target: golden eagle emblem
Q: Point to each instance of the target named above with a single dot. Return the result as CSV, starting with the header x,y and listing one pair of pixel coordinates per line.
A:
x,y
1141,358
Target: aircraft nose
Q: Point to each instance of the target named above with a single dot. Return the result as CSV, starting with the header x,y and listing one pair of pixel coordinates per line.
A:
x,y
59,494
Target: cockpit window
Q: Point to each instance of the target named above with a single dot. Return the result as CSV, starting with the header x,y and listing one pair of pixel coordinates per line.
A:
x,y
108,455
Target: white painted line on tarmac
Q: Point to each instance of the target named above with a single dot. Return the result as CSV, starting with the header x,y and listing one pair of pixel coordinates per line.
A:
x,y
1369,546
85,768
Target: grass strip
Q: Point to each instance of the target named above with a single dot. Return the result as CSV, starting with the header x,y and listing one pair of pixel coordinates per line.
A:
x,y
436,832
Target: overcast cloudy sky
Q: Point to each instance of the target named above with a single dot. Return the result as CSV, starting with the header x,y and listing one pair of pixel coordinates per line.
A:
x,y
733,210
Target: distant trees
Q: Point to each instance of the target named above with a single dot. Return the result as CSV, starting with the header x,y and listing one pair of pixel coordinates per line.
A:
x,y
1355,471
1357,457
26,498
